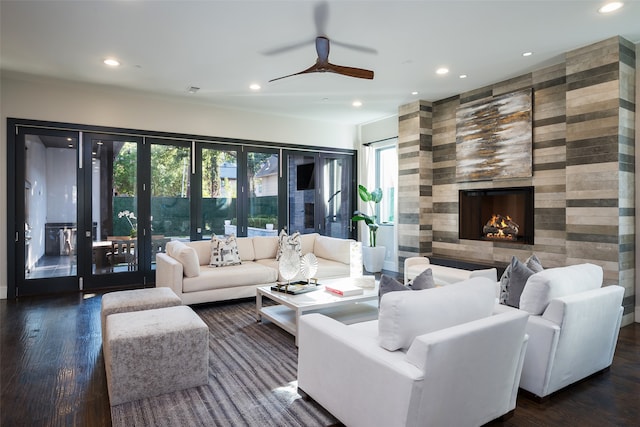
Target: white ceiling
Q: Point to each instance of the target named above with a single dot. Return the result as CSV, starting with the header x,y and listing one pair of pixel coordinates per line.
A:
x,y
224,46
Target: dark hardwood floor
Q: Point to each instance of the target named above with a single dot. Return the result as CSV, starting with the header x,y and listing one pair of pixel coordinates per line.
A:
x,y
52,373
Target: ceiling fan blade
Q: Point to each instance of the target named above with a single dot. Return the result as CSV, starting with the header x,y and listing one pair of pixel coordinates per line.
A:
x,y
322,47
320,15
313,69
350,71
283,49
356,47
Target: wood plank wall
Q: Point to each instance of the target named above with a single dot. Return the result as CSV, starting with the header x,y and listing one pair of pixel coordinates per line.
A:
x,y
415,176
583,169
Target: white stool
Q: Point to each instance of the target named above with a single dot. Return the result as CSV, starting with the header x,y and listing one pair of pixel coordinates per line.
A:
x,y
153,352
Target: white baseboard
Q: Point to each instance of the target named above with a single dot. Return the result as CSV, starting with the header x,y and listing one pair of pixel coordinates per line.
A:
x,y
3,293
637,314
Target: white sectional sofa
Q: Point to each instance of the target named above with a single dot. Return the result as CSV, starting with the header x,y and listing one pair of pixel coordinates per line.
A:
x,y
194,281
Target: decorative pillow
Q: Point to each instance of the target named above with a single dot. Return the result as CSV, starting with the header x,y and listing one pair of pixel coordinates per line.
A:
x,y
294,241
423,281
224,251
404,316
533,264
188,257
389,284
553,283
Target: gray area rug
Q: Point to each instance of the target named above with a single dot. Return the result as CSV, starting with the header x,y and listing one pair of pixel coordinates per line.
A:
x,y
252,380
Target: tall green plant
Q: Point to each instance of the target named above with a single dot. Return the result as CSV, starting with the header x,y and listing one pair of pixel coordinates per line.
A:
x,y
372,198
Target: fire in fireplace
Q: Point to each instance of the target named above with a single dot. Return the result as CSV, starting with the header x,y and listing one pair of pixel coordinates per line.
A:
x,y
497,214
501,227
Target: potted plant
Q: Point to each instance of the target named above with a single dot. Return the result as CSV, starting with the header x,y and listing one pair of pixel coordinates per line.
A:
x,y
372,255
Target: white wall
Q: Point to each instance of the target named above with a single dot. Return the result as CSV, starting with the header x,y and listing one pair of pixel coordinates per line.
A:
x,y
62,189
36,216
29,97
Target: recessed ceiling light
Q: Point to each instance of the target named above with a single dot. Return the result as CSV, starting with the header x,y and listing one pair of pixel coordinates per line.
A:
x,y
442,71
414,92
254,86
193,89
357,103
111,62
463,76
527,53
610,7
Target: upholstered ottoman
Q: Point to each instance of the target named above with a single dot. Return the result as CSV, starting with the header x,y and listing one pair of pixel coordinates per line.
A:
x,y
152,352
136,300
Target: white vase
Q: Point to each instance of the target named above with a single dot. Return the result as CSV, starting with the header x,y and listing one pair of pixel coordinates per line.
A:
x,y
373,258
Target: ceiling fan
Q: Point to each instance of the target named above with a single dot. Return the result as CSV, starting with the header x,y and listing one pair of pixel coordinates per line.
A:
x,y
323,65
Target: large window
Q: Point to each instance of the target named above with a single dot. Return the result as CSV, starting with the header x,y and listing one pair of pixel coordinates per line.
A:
x,y
387,179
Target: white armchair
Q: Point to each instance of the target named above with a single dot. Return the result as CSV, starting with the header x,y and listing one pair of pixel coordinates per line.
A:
x,y
573,327
443,275
434,357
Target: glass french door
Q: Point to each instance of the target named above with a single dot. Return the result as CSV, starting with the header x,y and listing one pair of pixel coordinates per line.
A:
x,y
261,195
219,189
76,211
113,231
320,193
46,211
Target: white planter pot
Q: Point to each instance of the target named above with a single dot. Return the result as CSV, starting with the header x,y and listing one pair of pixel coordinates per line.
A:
x,y
373,258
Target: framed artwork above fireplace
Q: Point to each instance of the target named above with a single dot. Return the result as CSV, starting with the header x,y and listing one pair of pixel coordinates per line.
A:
x,y
494,138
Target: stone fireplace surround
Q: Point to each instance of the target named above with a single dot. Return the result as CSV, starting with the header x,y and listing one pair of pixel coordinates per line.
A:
x,y
583,170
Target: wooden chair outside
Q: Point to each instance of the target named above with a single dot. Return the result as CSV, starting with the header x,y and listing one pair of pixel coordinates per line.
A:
x,y
122,252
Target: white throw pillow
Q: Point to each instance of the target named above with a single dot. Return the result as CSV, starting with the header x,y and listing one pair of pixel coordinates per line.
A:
x,y
406,315
224,251
188,257
552,283
293,242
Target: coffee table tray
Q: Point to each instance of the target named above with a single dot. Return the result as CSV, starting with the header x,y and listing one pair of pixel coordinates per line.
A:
x,y
295,288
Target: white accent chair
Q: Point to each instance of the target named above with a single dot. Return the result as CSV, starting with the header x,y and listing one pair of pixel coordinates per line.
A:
x,y
443,275
573,327
434,357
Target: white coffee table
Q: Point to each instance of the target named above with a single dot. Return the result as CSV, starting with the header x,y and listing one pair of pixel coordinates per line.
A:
x,y
289,308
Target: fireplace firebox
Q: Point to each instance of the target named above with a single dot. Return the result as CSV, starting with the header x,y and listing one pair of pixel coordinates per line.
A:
x,y
497,214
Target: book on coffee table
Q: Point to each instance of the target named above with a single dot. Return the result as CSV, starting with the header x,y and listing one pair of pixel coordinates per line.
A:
x,y
343,289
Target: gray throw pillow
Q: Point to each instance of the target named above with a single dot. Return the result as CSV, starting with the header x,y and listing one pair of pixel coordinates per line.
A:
x,y
389,284
423,280
533,263
518,277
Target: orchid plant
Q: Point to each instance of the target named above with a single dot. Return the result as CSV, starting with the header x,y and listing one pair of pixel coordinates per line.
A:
x,y
133,221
